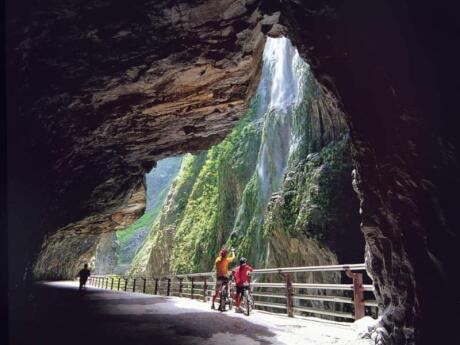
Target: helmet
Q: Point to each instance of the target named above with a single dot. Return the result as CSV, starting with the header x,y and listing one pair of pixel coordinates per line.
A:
x,y
223,252
243,260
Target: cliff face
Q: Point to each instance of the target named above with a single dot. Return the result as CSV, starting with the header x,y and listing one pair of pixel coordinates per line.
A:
x,y
154,256
282,179
130,240
63,256
105,258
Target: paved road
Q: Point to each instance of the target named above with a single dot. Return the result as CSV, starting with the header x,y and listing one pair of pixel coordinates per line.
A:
x,y
60,314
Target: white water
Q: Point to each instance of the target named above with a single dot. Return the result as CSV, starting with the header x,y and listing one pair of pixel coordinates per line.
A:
x,y
283,60
279,93
278,142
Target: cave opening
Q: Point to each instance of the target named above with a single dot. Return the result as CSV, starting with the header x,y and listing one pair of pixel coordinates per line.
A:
x,y
283,174
278,189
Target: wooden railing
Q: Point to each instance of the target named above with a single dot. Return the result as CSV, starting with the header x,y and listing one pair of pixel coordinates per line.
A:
x,y
279,290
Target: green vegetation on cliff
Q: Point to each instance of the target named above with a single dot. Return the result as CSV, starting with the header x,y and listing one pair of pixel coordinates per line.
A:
x,y
153,257
278,188
208,216
158,182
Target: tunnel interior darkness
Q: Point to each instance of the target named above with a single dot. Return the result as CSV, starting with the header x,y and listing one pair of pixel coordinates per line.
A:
x,y
391,65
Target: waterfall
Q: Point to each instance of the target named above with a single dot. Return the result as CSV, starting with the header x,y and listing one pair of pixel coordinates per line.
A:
x,y
278,141
283,60
279,93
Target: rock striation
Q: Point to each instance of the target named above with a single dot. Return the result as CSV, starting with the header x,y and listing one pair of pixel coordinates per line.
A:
x,y
105,91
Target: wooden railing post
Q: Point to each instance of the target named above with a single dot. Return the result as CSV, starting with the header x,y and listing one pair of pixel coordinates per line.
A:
x,y
289,294
358,293
156,286
145,285
111,283
191,290
205,290
119,280
126,284
168,288
134,285
181,286
106,283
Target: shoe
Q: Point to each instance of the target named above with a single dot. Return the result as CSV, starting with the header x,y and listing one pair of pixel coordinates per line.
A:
x,y
238,310
212,306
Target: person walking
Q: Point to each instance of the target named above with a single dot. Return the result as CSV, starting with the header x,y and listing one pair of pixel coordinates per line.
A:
x,y
83,275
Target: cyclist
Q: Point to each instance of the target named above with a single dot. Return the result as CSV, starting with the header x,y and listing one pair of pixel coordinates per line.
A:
x,y
221,264
242,280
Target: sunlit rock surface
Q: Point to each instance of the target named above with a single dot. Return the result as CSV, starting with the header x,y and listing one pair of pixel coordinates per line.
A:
x,y
105,258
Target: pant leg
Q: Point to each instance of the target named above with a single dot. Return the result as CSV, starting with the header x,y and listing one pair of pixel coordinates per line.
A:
x,y
217,290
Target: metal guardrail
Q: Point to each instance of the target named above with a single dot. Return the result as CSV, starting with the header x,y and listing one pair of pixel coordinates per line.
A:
x,y
287,296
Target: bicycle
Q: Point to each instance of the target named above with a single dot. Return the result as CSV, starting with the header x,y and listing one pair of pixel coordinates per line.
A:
x,y
225,297
248,300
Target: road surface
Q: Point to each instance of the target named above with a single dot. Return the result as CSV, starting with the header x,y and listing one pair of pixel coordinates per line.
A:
x,y
60,314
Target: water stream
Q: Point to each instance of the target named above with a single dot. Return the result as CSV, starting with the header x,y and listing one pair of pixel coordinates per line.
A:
x,y
279,94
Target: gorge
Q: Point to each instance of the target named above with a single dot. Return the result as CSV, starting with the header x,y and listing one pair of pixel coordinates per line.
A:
x,y
281,179
98,92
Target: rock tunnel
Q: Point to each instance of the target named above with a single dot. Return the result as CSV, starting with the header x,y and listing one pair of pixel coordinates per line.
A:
x,y
99,92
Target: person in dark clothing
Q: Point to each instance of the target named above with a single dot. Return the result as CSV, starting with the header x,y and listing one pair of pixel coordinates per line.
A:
x,y
83,275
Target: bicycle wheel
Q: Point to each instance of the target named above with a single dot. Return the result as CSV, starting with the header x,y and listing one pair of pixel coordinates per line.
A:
x,y
251,301
230,300
247,304
222,299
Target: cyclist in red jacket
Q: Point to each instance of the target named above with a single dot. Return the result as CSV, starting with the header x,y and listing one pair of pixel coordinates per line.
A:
x,y
242,280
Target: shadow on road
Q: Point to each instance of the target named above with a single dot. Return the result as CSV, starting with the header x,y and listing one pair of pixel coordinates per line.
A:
x,y
63,315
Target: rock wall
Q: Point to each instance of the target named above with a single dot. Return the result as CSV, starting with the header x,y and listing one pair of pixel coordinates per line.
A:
x,y
105,258
62,257
106,90
316,201
390,63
